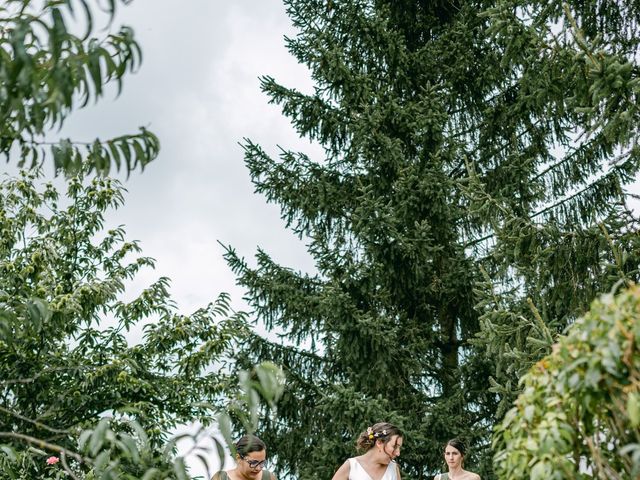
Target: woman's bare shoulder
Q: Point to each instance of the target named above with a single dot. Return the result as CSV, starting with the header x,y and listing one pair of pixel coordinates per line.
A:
x,y
343,472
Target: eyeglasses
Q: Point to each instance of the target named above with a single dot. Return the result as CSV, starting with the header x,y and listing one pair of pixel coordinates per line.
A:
x,y
255,463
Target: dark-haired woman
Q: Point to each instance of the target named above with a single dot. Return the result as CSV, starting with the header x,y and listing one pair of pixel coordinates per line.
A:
x,y
381,445
454,452
251,457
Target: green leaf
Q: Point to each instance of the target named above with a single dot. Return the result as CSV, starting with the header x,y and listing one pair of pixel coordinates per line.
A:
x,y
180,469
98,437
224,425
633,409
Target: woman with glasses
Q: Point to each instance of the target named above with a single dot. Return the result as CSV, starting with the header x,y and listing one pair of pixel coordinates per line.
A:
x,y
381,445
251,457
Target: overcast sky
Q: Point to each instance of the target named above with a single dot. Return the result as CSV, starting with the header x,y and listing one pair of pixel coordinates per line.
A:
x,y
198,90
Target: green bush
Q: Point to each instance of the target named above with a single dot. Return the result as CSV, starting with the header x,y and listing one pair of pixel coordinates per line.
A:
x,y
579,412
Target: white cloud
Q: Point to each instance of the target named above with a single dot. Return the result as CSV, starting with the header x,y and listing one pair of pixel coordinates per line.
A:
x,y
198,90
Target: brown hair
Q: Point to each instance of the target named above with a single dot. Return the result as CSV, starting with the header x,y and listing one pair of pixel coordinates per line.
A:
x,y
248,444
458,445
380,431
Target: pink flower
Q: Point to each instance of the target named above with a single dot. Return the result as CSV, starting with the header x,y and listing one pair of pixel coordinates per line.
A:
x,y
52,460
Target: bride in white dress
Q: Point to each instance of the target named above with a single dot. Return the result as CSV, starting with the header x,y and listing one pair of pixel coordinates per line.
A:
x,y
381,444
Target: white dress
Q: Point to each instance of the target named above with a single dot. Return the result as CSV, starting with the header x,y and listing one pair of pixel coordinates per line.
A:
x,y
356,472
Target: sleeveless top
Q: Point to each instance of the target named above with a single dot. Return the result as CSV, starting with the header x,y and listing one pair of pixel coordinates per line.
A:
x,y
443,476
356,472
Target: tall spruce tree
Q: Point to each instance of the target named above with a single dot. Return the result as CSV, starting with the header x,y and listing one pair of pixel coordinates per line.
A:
x,y
467,208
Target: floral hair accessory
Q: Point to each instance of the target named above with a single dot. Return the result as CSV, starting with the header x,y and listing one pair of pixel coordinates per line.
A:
x,y
371,434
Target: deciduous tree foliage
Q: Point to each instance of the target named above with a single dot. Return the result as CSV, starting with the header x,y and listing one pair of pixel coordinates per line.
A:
x,y
469,205
48,69
67,355
579,412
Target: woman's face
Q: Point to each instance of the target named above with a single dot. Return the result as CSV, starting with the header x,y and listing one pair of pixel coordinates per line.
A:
x,y
453,457
251,464
392,447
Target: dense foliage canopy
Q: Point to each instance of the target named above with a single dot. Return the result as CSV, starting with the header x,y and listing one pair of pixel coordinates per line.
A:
x,y
99,377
